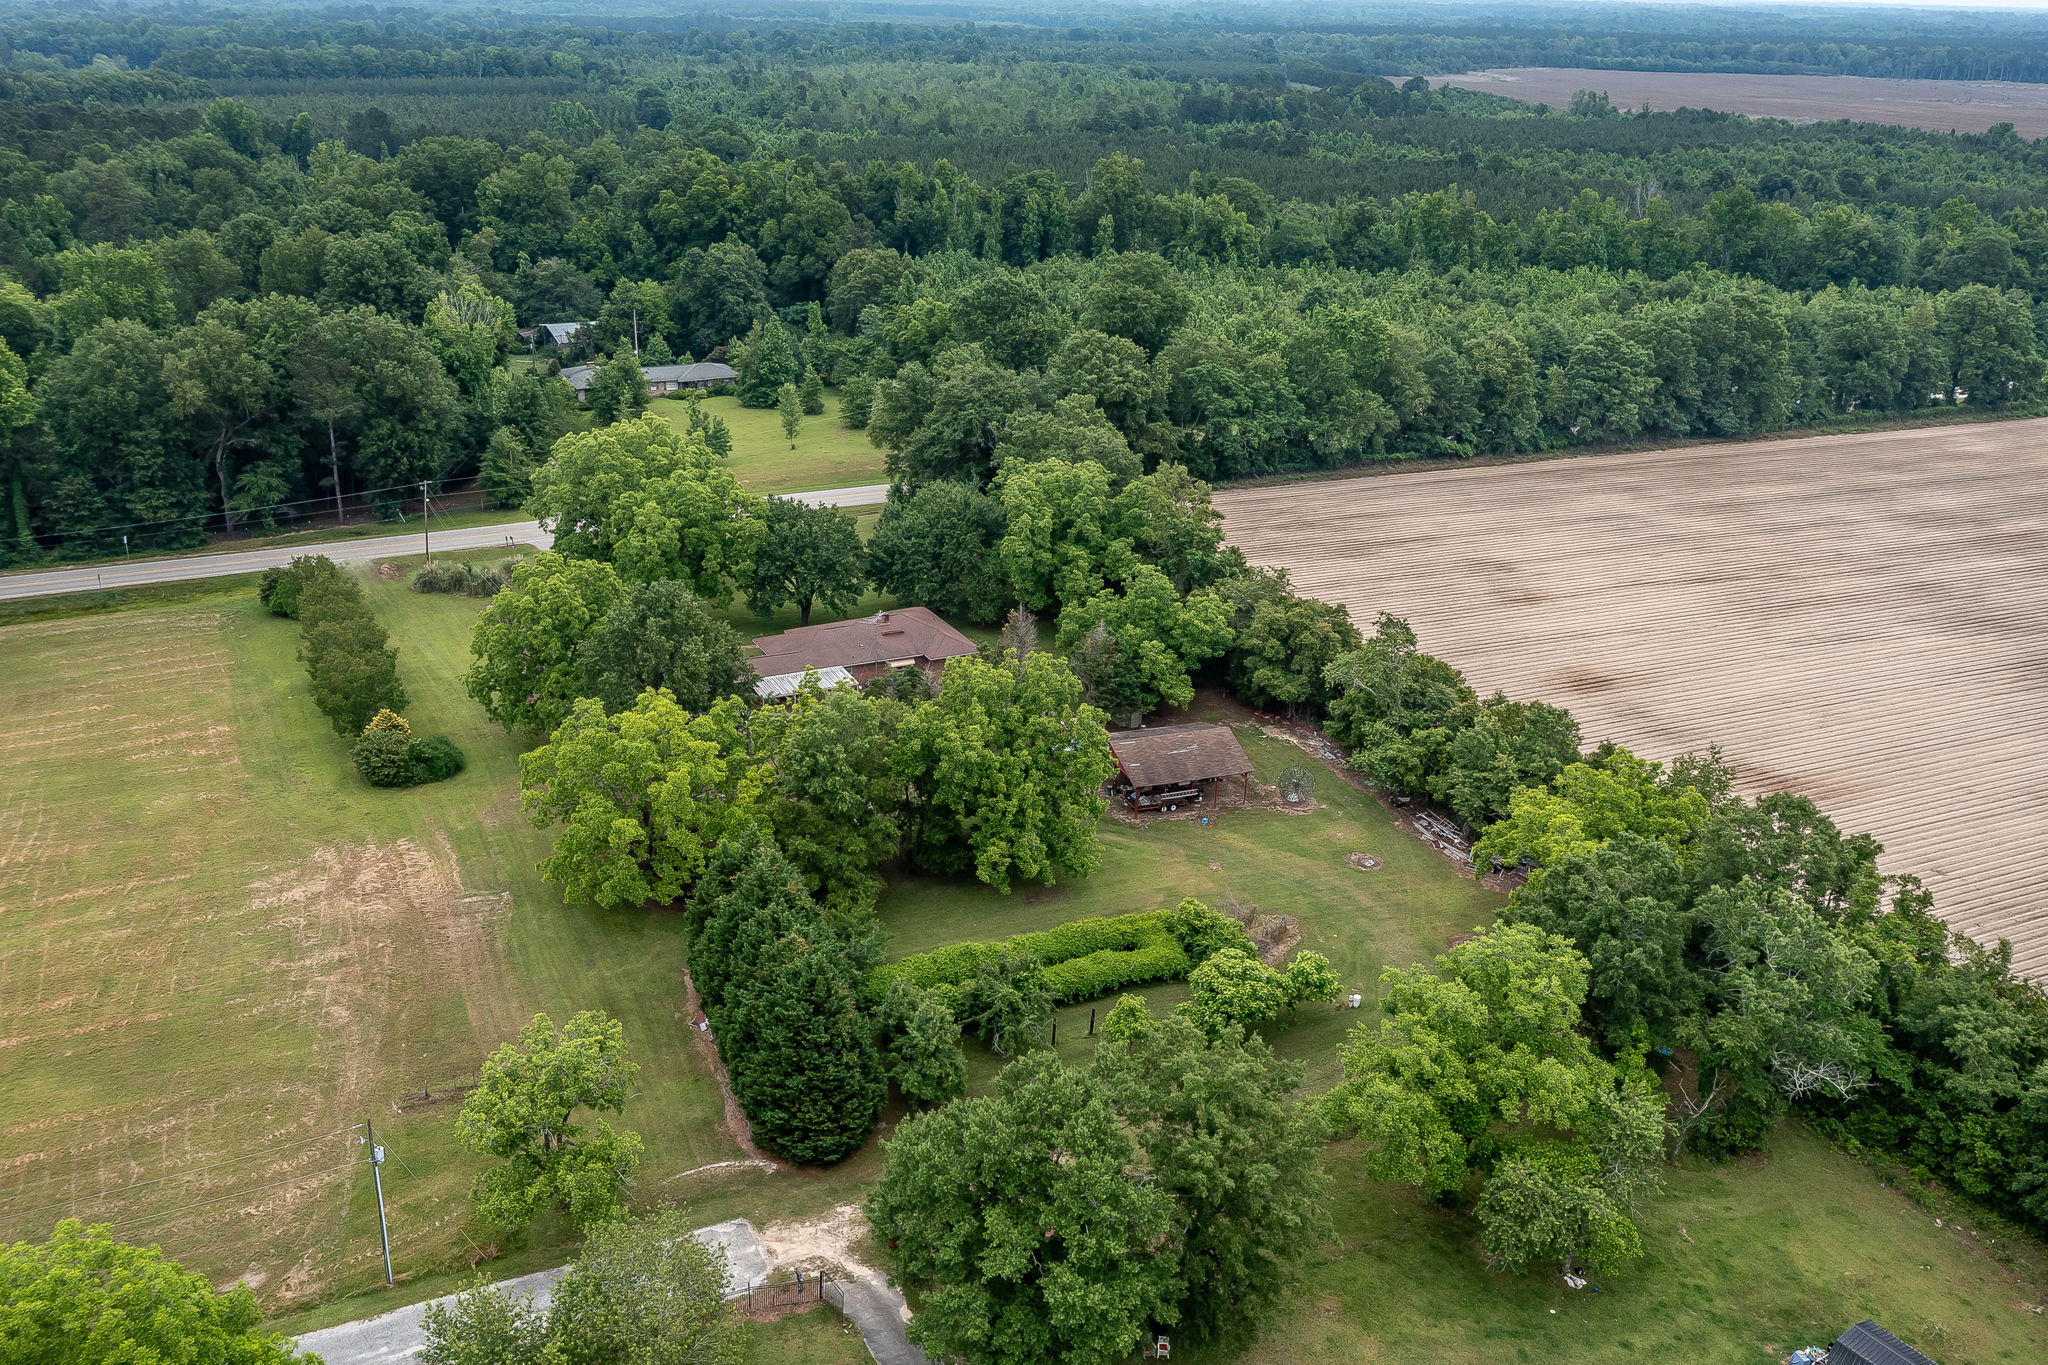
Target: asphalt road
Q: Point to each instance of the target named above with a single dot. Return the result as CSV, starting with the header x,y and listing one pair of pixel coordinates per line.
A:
x,y
396,1336
141,572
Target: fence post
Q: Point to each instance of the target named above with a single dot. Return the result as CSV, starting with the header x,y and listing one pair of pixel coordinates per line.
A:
x,y
1091,1021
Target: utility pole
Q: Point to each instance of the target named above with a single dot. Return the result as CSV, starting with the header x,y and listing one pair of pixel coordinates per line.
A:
x,y
377,1175
426,537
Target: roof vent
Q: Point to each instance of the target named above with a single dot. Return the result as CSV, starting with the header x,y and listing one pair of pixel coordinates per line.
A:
x,y
881,617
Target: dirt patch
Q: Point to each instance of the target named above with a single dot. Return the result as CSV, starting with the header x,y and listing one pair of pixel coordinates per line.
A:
x,y
388,571
1364,862
361,927
1231,796
736,1126
833,1242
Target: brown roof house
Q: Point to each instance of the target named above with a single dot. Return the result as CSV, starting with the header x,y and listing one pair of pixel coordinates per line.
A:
x,y
1169,766
847,653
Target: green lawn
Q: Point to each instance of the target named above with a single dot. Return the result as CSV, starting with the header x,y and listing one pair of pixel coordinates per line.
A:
x,y
820,1336
1744,1263
827,454
219,941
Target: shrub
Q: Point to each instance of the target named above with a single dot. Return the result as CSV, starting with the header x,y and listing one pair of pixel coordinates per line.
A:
x,y
1203,932
388,754
280,589
436,759
1083,958
461,576
383,757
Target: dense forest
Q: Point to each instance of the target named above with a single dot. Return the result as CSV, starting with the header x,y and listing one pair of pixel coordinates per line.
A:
x,y
254,261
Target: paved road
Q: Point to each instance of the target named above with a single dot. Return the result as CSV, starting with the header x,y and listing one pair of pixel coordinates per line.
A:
x,y
137,573
394,1337
875,1306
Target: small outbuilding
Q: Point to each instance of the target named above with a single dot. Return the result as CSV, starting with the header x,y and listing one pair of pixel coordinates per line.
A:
x,y
1170,766
560,333
1864,1344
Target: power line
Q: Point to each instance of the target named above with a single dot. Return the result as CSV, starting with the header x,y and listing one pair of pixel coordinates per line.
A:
x,y
158,1180
183,1208
218,512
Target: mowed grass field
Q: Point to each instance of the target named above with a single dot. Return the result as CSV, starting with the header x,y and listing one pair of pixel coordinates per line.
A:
x,y
218,947
828,454
1859,618
216,940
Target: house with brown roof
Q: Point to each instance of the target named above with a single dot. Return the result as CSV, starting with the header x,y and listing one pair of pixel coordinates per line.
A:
x,y
1169,766
855,651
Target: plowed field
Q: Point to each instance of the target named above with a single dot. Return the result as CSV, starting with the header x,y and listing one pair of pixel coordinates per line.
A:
x,y
1861,618
1942,106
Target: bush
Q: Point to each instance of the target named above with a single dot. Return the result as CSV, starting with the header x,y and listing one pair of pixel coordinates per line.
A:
x,y
461,576
1203,932
388,754
280,589
383,757
1083,958
436,759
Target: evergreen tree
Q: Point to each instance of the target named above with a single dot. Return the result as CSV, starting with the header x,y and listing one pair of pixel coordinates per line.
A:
x,y
812,394
765,361
656,352
784,994
790,408
800,1050
507,471
923,1049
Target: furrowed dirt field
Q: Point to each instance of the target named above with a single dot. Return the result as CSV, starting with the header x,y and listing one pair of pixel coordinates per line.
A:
x,y
1943,106
1861,618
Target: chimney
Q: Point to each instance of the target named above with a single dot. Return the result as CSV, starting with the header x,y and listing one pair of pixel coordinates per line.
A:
x,y
881,618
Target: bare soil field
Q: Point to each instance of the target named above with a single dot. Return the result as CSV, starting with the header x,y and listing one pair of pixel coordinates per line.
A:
x,y
1860,618
1943,106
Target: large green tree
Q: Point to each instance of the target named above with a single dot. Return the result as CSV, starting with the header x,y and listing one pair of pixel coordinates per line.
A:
x,y
936,548
525,667
642,796
808,556
650,501
1022,1220
1006,766
645,1291
1161,636
1480,1064
524,1110
83,1298
662,636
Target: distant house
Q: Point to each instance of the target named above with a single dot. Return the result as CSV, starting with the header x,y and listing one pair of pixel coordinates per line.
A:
x,y
1177,765
561,333
660,378
860,649
1864,1344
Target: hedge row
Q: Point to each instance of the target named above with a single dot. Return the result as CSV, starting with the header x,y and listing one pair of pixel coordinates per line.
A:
x,y
1083,959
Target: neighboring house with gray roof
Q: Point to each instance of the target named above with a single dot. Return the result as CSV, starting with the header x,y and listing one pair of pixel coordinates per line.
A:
x,y
660,379
562,333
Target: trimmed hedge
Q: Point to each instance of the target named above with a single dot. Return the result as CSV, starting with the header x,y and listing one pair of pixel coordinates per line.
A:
x,y
1083,959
